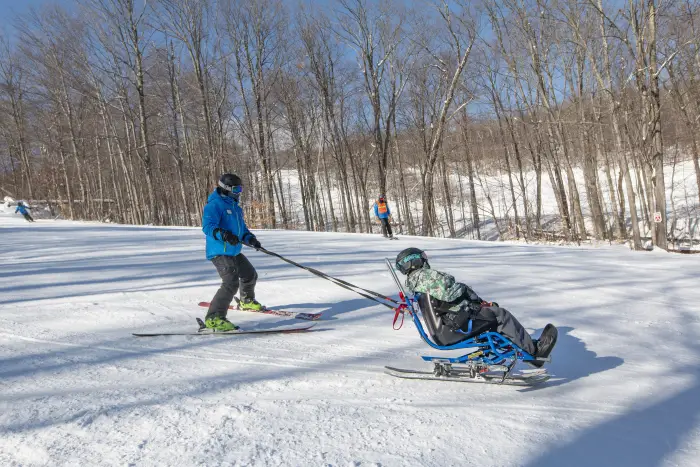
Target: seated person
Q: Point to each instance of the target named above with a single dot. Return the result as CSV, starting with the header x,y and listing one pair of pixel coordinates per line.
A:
x,y
457,304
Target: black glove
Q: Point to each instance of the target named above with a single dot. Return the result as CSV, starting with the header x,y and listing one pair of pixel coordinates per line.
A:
x,y
253,242
227,236
473,308
457,321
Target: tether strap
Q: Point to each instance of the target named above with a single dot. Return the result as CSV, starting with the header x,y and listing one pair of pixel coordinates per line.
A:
x,y
368,294
399,311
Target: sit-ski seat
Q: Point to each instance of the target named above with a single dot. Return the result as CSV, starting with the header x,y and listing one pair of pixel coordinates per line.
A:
x,y
441,333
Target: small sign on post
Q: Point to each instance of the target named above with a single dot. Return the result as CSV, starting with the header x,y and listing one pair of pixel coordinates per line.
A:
x,y
657,217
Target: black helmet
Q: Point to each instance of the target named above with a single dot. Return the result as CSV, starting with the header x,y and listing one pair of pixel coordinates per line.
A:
x,y
230,185
411,259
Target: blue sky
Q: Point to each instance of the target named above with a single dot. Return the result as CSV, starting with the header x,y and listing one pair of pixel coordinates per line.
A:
x,y
10,8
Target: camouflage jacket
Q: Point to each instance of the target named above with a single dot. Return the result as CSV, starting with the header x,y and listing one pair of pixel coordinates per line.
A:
x,y
442,287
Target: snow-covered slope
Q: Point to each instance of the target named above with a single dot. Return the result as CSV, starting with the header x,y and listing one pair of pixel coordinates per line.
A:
x,y
77,389
681,201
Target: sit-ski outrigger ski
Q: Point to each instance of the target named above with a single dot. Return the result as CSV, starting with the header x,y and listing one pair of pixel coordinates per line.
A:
x,y
492,358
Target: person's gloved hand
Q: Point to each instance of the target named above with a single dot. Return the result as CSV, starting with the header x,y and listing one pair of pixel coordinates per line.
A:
x,y
227,236
485,303
456,321
254,242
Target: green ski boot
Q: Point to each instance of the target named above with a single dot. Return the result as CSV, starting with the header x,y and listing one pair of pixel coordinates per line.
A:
x,y
220,325
251,305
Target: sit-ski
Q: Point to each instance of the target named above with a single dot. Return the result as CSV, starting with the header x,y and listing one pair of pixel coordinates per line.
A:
x,y
491,359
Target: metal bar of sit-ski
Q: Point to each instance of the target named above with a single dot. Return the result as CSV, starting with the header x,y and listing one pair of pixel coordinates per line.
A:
x,y
369,294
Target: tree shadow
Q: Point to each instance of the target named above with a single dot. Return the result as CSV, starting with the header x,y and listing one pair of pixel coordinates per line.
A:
x,y
642,437
571,360
331,310
24,365
191,388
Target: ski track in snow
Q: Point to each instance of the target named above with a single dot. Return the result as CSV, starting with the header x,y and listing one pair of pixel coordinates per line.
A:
x,y
77,389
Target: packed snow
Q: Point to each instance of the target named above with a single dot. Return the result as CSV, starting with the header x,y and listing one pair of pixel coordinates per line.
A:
x,y
76,388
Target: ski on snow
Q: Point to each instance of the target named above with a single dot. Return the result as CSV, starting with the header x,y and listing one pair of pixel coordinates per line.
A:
x,y
530,378
203,331
269,311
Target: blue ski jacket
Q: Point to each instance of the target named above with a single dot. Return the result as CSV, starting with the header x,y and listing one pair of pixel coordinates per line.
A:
x,y
222,212
21,209
381,210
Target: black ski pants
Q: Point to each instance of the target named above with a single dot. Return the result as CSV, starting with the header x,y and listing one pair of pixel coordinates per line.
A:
x,y
386,227
490,318
28,218
234,271
506,324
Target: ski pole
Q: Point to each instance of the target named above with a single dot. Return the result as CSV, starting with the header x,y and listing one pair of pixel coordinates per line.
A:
x,y
369,294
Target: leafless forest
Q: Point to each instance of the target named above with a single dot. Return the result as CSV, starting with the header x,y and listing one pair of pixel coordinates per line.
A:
x,y
128,111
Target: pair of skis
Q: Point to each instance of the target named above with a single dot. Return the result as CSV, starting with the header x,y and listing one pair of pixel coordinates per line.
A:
x,y
203,330
522,378
270,311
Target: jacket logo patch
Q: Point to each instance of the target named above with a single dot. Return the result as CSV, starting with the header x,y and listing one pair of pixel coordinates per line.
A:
x,y
228,211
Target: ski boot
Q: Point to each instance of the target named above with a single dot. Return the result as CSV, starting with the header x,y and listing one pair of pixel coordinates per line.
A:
x,y
250,304
545,344
220,325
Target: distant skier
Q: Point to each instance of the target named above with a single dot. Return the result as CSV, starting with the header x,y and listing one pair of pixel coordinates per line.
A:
x,y
225,228
383,215
457,304
22,209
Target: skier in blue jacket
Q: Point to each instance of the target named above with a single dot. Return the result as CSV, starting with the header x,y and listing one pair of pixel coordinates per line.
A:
x,y
22,209
226,232
383,215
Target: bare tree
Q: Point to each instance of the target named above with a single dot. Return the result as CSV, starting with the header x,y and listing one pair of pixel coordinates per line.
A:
x,y
460,34
375,34
255,30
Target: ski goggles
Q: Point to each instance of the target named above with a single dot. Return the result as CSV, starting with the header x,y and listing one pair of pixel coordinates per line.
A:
x,y
236,189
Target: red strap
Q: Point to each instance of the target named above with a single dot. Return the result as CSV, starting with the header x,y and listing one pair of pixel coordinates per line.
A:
x,y
400,310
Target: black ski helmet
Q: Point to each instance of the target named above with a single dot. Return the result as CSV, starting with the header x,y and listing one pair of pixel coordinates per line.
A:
x,y
228,184
411,259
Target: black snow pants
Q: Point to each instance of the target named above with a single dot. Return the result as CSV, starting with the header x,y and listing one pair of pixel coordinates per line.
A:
x,y
491,318
386,227
28,218
507,325
234,270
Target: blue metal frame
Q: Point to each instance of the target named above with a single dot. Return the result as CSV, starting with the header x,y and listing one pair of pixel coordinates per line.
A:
x,y
493,348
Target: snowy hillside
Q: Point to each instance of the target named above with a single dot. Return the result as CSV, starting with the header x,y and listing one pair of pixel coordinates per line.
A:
x,y
77,389
681,195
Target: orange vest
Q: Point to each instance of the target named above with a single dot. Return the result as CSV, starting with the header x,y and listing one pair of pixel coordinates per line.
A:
x,y
381,207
